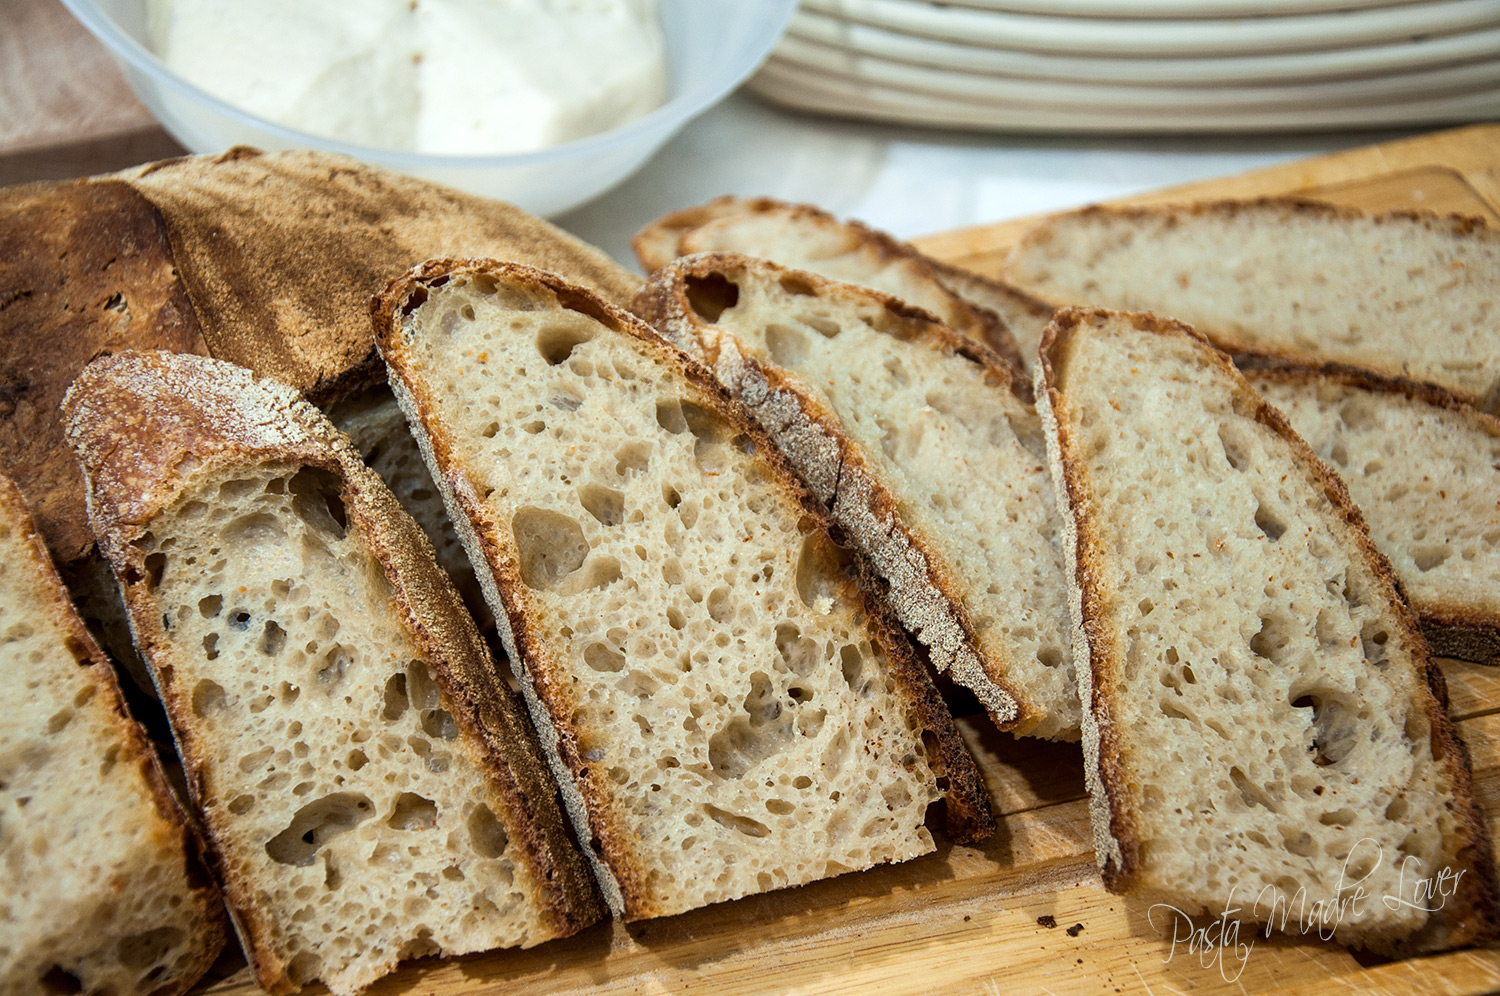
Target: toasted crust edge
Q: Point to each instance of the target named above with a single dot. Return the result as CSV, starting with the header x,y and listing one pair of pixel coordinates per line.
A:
x,y
922,591
662,240
968,814
1452,629
1476,916
204,894
111,458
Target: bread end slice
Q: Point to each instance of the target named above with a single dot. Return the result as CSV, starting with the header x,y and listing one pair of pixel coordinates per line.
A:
x,y
1263,724
105,890
369,788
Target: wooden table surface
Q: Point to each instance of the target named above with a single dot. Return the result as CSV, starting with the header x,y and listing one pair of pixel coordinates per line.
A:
x,y
1025,913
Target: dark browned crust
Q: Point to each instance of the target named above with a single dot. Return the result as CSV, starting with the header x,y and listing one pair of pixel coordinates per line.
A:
x,y
1474,917
147,426
969,815
1452,629
1247,353
174,831
665,303
976,321
86,268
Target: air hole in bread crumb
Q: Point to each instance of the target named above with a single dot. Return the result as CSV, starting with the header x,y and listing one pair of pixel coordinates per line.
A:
x,y
632,458
557,342
669,416
736,822
208,696
1373,638
156,566
605,504
1269,522
710,296
788,346
822,568
439,723
825,326
1253,794
412,812
317,500
762,730
603,658
486,834
315,824
395,696
58,981
1335,726
272,639
335,662
1430,557
211,646
1299,842
551,546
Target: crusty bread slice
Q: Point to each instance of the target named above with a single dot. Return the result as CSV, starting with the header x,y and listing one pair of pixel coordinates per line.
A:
x,y
1406,295
369,788
1263,727
1424,468
728,712
105,891
914,440
804,237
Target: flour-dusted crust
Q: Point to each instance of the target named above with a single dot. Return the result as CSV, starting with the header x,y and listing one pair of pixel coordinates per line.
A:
x,y
1455,622
919,568
1115,759
141,850
1405,293
150,428
546,675
805,237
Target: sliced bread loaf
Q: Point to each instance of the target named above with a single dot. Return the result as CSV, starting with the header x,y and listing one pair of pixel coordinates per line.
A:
x,y
105,891
368,786
1406,295
1263,728
1424,468
801,236
914,440
727,709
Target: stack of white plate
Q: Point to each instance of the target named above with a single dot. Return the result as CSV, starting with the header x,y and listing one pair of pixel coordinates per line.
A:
x,y
1142,65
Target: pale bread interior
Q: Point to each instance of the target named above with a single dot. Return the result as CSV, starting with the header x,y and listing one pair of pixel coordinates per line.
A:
x,y
97,888
1426,478
1265,705
739,729
1405,295
348,803
964,458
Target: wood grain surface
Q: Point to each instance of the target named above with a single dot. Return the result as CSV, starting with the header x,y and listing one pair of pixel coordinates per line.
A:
x,y
1026,913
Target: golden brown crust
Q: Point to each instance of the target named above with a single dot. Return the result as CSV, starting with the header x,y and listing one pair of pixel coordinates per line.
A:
x,y
969,813
1473,920
175,831
670,234
85,269
1452,629
190,418
922,589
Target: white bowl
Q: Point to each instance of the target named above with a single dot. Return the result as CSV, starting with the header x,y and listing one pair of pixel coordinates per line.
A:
x,y
712,46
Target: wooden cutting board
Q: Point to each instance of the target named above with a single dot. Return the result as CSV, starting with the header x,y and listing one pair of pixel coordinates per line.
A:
x,y
1026,913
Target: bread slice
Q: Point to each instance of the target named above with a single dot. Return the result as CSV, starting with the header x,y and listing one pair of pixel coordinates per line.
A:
x,y
801,236
1263,727
1406,295
727,711
369,788
1424,468
105,890
913,438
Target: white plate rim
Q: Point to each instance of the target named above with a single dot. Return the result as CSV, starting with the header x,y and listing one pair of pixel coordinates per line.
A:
x,y
869,40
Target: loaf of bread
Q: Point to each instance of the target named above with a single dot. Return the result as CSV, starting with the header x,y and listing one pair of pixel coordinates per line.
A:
x,y
264,259
726,708
803,237
913,438
104,888
1424,468
1263,728
369,788
1405,294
